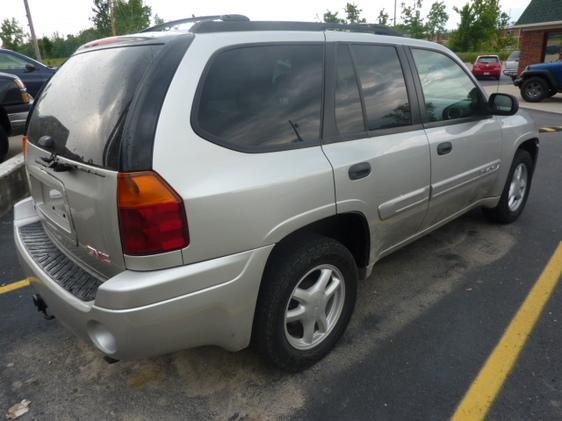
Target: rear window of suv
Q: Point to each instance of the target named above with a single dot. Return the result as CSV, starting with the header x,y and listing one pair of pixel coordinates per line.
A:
x,y
84,105
259,98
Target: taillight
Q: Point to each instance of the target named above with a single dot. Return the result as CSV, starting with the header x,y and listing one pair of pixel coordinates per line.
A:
x,y
151,215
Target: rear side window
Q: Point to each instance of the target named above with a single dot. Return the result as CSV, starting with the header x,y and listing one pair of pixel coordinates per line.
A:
x,y
262,97
349,114
383,86
83,106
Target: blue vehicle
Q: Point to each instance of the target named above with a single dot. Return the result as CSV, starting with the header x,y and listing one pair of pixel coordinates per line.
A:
x,y
540,81
32,73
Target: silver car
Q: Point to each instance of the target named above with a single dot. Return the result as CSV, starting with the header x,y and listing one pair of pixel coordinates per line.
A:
x,y
230,183
512,64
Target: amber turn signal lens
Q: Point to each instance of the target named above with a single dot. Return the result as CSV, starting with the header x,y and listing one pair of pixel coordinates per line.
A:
x,y
152,217
24,141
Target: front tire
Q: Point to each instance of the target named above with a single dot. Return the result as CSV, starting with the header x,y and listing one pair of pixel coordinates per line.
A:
x,y
306,300
516,190
534,89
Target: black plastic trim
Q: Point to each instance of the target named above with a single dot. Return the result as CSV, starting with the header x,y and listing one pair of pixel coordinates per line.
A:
x,y
137,142
56,264
541,73
276,148
209,26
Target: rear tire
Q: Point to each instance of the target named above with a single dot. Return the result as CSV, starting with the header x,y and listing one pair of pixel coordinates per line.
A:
x,y
306,300
516,190
534,89
4,144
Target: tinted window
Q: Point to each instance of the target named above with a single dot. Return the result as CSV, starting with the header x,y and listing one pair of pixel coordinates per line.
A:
x,y
488,60
85,103
263,97
383,86
349,114
11,62
448,91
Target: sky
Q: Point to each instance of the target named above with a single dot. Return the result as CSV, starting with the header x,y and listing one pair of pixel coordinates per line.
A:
x,y
70,16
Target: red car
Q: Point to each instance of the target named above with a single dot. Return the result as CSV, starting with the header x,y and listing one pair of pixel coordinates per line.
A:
x,y
487,66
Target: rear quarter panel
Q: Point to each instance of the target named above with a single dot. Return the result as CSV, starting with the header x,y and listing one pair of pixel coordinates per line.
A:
x,y
236,201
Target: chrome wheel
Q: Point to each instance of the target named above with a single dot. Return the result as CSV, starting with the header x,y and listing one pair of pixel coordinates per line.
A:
x,y
314,307
517,187
534,90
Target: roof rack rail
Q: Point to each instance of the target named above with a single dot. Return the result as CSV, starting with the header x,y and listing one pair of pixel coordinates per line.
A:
x,y
166,26
208,26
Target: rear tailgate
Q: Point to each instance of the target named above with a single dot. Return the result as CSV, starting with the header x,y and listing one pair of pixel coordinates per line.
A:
x,y
74,151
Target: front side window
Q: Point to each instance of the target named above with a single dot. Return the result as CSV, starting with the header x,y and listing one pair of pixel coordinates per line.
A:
x,y
262,97
383,86
448,91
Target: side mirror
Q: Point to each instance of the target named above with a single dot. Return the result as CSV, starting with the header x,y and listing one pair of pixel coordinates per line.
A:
x,y
30,67
503,104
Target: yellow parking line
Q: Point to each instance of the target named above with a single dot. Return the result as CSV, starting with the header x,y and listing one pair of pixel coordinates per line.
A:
x,y
488,383
13,286
548,129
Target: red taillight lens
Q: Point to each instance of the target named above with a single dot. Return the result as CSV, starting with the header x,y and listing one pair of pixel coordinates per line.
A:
x,y
151,215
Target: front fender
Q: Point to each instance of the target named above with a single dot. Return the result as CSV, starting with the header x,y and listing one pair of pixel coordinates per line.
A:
x,y
516,130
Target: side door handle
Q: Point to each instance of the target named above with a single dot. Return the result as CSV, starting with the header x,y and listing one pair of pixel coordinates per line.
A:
x,y
360,170
444,148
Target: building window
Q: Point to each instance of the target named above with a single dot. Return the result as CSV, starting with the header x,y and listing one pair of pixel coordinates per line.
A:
x,y
552,49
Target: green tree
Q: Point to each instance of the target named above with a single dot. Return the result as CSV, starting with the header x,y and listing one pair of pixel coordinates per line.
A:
x,y
436,19
353,13
412,22
158,20
131,16
383,17
102,18
330,17
11,34
482,25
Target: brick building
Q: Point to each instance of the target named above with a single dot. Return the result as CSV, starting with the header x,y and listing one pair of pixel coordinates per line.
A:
x,y
540,28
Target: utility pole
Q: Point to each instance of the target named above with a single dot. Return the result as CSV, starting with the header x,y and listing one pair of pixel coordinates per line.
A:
x,y
395,12
32,30
110,4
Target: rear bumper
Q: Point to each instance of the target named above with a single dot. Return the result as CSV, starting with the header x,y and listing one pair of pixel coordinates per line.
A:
x,y
140,314
510,72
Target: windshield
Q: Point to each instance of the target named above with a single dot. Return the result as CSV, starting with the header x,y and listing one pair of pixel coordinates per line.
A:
x,y
514,56
84,105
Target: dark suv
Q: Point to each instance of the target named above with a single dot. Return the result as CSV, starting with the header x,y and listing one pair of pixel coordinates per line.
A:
x,y
14,107
540,81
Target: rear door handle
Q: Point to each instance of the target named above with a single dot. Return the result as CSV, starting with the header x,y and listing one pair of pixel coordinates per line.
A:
x,y
444,148
360,170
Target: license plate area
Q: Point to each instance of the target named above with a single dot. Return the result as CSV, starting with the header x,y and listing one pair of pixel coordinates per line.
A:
x,y
486,73
51,202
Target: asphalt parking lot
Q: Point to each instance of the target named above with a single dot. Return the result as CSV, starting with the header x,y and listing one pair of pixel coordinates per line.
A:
x,y
424,325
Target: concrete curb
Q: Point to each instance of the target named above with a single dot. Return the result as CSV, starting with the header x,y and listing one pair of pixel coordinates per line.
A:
x,y
13,183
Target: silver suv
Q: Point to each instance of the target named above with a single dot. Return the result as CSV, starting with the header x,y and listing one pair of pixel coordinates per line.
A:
x,y
230,183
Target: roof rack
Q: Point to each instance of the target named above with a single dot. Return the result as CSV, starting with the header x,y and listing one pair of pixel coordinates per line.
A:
x,y
166,26
237,23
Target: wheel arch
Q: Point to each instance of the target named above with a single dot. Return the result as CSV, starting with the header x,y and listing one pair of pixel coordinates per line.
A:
x,y
543,74
531,146
350,228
